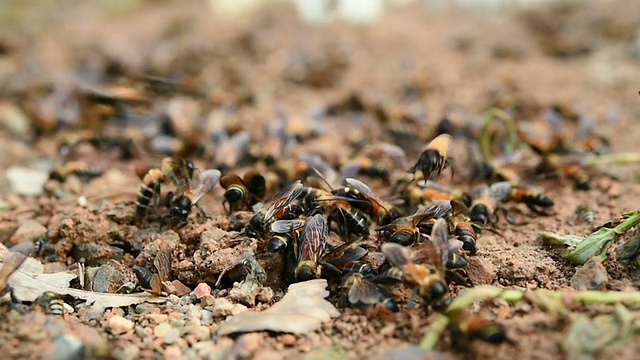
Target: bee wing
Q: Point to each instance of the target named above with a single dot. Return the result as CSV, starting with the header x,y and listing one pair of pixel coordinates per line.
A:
x,y
395,153
480,191
396,254
162,262
441,144
440,239
283,198
500,190
360,186
286,226
426,253
16,255
321,167
313,239
208,180
437,209
344,254
459,208
363,291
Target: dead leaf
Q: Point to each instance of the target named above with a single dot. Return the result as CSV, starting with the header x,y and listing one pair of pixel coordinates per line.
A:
x,y
28,287
303,309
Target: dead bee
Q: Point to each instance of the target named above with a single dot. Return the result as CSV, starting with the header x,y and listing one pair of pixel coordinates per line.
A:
x,y
282,206
16,255
230,150
310,246
51,303
485,201
418,193
463,228
181,171
466,326
285,233
180,206
585,213
247,269
123,145
363,293
375,162
424,268
78,168
253,267
434,159
155,280
242,193
342,259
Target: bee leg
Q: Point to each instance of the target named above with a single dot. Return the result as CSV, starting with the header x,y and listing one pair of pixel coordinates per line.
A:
x,y
450,163
202,212
535,210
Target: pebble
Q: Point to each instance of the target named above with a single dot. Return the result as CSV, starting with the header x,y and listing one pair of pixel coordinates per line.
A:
x,y
141,332
107,279
181,289
67,347
162,330
201,332
201,290
173,352
222,307
28,231
26,181
171,336
144,307
119,325
206,317
590,276
157,318
288,340
207,300
16,121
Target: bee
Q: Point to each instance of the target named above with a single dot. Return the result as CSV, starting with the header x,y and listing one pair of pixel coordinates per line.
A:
x,y
180,206
466,326
51,303
343,258
433,160
366,201
284,205
16,255
363,293
568,166
123,145
230,150
253,267
247,269
531,197
405,230
339,209
485,200
181,171
374,162
463,228
310,247
285,232
155,280
585,213
424,268
78,168
241,193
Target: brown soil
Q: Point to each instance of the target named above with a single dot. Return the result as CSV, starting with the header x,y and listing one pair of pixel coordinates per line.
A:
x,y
455,63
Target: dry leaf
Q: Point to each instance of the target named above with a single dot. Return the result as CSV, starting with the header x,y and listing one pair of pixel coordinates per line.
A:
x,y
302,310
28,287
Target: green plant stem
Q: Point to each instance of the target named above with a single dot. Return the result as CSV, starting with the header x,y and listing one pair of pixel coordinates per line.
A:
x,y
612,159
485,134
431,337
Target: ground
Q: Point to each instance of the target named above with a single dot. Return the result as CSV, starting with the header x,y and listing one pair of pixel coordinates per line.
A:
x,y
411,68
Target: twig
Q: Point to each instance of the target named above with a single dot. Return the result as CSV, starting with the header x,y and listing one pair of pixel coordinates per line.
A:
x,y
485,134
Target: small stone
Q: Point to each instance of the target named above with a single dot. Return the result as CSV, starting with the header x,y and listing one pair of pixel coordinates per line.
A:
x,y
28,231
590,276
288,340
201,290
173,352
107,279
157,318
25,181
247,344
201,332
67,347
82,201
480,270
119,325
207,300
171,336
264,295
144,307
162,330
140,331
206,317
181,289
222,307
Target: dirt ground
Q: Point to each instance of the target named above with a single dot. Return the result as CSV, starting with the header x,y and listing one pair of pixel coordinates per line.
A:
x,y
342,87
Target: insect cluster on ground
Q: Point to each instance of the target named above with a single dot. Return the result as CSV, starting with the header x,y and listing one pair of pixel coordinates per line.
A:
x,y
294,188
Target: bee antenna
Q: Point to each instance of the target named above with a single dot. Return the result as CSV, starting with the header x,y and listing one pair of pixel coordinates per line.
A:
x,y
319,174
